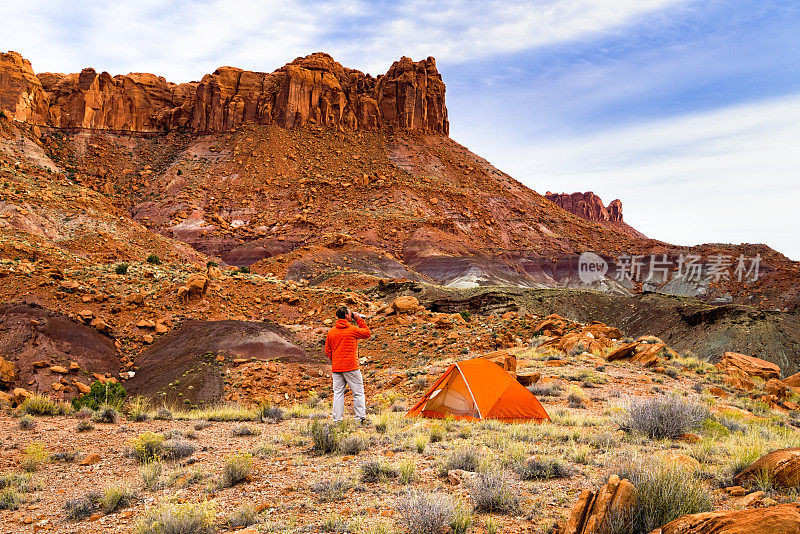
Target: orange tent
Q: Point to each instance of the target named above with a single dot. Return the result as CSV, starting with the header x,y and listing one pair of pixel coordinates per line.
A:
x,y
479,389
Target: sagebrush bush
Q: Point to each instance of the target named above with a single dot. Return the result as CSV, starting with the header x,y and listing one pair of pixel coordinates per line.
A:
x,y
244,516
80,507
271,414
41,405
664,491
325,436
376,472
465,458
26,422
236,469
64,456
662,416
106,414
153,259
490,493
175,449
243,430
84,426
187,518
163,414
424,513
9,498
550,389
353,444
332,490
542,469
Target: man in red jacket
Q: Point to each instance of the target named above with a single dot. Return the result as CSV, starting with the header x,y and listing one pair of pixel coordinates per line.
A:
x,y
341,348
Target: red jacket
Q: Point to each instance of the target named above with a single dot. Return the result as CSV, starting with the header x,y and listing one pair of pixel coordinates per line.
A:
x,y
341,345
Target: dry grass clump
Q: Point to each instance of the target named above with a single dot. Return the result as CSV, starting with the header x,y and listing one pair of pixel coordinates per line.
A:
x,y
662,416
41,405
106,414
243,430
33,457
150,475
84,426
244,516
549,389
325,436
465,458
176,449
26,422
116,497
187,518
664,491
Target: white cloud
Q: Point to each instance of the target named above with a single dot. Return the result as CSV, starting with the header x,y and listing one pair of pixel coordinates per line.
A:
x,y
728,175
183,40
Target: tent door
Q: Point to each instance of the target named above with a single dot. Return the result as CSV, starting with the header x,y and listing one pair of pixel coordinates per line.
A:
x,y
454,397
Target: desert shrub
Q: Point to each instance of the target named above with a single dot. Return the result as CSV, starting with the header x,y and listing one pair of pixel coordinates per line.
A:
x,y
236,469
83,413
353,444
138,409
423,513
465,458
271,414
325,436
466,315
382,424
101,394
550,389
26,422
398,406
106,414
542,469
664,491
335,524
577,349
244,516
150,475
163,414
663,416
489,492
243,430
175,449
80,507
84,426
408,473
41,405
147,447
187,518
116,497
64,456
376,472
733,425
33,457
332,490
153,259
436,433
9,498
420,442
202,425
121,268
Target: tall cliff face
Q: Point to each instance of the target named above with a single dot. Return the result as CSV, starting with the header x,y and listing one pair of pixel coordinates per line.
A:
x,y
314,90
588,206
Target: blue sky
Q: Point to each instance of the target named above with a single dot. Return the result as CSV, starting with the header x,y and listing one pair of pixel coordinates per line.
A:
x,y
687,111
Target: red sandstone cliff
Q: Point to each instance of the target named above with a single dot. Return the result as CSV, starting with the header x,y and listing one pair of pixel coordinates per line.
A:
x,y
310,90
587,205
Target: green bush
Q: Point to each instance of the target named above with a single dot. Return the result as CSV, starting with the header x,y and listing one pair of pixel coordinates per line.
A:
x,y
153,259
122,268
110,394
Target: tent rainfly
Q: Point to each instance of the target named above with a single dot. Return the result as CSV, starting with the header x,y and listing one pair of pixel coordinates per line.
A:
x,y
479,389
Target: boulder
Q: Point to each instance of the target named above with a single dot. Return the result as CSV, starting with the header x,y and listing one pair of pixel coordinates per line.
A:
x,y
197,285
777,388
503,358
7,372
59,369
90,459
792,381
405,304
783,519
81,387
20,394
782,466
591,513
732,362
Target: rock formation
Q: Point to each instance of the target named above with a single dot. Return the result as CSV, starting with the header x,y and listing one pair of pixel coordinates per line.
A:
x,y
312,90
782,467
587,205
784,518
595,511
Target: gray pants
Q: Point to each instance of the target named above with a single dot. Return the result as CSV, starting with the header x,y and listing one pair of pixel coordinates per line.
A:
x,y
356,383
